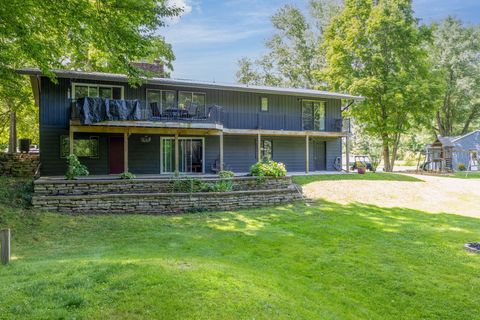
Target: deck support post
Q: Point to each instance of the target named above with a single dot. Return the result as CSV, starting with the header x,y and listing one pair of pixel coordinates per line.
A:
x,y
259,147
177,158
70,141
221,151
307,155
125,151
347,153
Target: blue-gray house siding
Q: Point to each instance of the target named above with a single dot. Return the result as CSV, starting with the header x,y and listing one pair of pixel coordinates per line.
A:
x,y
241,110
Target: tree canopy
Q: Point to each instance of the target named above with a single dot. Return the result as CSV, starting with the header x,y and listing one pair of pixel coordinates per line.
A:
x,y
376,49
455,56
294,51
99,35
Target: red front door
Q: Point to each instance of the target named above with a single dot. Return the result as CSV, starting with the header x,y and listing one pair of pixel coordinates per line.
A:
x,y
115,155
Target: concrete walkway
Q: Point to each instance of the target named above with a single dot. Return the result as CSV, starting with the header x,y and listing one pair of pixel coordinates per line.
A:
x,y
434,194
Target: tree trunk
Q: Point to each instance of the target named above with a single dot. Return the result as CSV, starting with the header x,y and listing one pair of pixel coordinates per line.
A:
x,y
386,156
12,140
471,117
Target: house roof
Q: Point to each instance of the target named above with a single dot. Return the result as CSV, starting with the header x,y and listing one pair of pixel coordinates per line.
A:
x,y
446,141
193,83
455,139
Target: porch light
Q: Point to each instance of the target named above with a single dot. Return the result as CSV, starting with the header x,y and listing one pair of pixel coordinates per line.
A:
x,y
146,139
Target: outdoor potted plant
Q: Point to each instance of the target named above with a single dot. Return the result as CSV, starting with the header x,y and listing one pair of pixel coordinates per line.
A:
x,y
361,168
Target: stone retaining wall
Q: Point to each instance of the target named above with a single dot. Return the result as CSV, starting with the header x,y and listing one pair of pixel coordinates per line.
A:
x,y
19,164
165,203
160,185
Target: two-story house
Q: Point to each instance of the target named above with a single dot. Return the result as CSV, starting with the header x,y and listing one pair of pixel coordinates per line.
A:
x,y
167,126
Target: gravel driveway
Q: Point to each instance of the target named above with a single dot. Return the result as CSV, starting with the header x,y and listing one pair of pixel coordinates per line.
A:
x,y
435,194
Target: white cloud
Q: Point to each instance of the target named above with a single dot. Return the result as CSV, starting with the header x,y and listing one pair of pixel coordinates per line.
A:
x,y
198,33
185,5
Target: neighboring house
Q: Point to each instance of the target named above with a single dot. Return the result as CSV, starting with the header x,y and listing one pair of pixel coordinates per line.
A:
x,y
167,125
448,153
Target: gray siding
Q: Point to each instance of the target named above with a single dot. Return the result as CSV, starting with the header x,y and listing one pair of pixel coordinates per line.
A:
x,y
241,110
462,148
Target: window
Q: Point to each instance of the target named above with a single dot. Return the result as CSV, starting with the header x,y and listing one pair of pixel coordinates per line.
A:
x,y
159,100
82,147
264,104
266,150
313,115
191,155
80,90
185,99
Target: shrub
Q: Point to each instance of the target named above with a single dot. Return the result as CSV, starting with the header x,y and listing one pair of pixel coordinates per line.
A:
x,y
268,168
461,167
75,168
226,174
189,185
127,175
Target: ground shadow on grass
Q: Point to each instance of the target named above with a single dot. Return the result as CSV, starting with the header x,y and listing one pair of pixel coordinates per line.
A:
x,y
296,261
380,176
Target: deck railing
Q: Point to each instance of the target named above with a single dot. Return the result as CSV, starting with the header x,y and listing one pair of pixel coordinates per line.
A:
x,y
236,120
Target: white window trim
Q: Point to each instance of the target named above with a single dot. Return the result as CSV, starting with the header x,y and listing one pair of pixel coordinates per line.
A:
x,y
182,138
315,100
83,84
268,104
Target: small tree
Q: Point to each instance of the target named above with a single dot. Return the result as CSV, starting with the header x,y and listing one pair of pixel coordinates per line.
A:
x,y
75,168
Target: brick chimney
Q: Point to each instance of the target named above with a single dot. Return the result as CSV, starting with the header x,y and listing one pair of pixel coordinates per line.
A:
x,y
156,68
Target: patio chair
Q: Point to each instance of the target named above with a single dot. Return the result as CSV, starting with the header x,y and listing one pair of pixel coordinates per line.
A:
x,y
192,110
155,110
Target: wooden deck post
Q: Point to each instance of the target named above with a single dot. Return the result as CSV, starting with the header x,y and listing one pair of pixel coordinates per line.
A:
x,y
347,153
221,151
5,241
177,158
125,151
259,147
70,141
307,154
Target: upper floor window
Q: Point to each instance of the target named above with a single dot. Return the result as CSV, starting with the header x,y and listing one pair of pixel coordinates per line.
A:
x,y
186,99
80,90
313,115
264,104
160,100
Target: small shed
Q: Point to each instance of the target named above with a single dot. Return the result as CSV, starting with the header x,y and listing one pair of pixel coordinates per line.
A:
x,y
451,153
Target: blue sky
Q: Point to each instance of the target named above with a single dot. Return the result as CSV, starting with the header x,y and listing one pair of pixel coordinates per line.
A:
x,y
210,36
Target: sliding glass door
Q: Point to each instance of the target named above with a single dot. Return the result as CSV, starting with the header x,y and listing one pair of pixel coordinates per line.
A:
x,y
190,155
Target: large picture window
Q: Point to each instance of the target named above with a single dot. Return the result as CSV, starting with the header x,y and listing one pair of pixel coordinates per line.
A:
x,y
191,155
160,100
186,99
313,115
82,147
80,90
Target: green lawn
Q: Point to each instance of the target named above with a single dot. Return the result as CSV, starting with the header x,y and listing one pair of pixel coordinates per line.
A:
x,y
466,175
384,176
324,261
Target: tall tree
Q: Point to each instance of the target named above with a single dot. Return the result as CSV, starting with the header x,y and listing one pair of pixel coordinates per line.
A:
x,y
455,55
376,49
294,51
101,35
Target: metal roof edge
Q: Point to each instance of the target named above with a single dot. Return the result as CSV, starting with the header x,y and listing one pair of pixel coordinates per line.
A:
x,y
191,83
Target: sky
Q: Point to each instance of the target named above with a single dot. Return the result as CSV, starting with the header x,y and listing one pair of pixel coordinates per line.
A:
x,y
211,36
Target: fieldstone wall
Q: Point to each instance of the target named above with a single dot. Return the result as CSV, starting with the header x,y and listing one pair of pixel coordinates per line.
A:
x,y
19,164
165,203
159,185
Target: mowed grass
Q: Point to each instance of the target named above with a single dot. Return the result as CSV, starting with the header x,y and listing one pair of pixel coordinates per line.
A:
x,y
380,176
466,175
324,261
